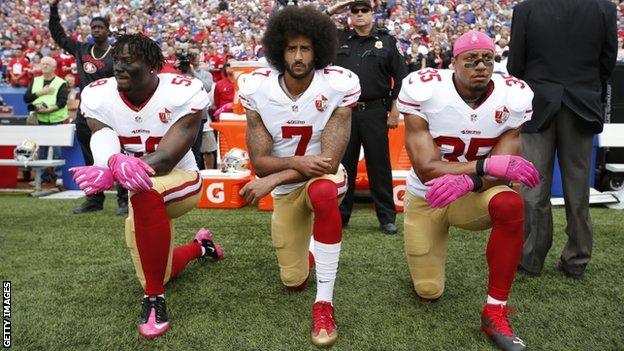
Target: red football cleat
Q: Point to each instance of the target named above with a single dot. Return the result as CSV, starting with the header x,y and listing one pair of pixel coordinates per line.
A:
x,y
495,323
324,329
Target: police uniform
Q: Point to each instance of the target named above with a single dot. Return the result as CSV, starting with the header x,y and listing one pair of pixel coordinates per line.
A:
x,y
376,59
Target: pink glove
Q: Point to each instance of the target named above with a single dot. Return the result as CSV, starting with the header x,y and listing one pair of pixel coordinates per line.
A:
x,y
447,188
512,168
92,179
131,172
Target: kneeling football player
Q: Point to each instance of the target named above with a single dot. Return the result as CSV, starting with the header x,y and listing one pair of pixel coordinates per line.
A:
x,y
155,119
298,126
463,140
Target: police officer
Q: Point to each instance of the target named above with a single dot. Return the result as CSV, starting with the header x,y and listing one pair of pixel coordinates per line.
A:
x,y
373,55
93,62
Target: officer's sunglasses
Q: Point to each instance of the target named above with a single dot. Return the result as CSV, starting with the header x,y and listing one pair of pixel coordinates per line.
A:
x,y
355,11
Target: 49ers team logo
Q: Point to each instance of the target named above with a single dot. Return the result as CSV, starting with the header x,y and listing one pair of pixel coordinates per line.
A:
x,y
165,116
321,103
89,67
501,115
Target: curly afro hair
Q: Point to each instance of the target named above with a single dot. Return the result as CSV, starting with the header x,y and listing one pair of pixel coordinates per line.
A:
x,y
142,47
293,21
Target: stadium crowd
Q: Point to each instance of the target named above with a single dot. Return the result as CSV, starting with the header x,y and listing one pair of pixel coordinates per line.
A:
x,y
221,29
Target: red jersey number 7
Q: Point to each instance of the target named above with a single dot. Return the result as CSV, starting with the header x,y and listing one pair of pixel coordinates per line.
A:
x,y
305,132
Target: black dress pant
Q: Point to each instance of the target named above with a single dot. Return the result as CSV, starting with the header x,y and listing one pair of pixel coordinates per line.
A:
x,y
84,138
572,139
369,130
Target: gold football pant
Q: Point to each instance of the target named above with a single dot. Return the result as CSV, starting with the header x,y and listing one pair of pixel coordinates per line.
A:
x,y
178,192
426,234
291,228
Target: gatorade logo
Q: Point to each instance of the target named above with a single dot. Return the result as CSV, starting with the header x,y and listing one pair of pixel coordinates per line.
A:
x,y
215,193
398,193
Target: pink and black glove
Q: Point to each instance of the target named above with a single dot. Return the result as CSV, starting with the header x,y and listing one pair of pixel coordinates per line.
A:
x,y
92,179
448,188
132,173
511,167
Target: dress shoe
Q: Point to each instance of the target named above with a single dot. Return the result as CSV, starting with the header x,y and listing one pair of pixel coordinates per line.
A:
x,y
570,272
389,228
88,206
122,210
526,272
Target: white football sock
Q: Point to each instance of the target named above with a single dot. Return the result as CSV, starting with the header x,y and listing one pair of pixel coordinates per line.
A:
x,y
493,301
326,257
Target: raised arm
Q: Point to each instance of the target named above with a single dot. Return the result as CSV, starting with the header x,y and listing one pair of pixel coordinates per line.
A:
x,y
174,144
57,31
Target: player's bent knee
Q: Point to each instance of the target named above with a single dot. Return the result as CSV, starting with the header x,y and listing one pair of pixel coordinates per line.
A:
x,y
507,206
322,190
293,278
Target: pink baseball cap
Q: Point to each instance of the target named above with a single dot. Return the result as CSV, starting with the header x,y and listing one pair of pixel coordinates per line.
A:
x,y
472,40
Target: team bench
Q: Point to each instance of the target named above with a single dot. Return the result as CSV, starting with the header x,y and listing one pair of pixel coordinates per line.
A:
x,y
57,135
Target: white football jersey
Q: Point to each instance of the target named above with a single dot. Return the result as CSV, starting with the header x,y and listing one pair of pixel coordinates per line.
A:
x,y
296,126
461,132
140,128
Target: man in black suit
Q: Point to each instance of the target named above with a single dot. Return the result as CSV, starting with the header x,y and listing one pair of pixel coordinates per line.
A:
x,y
565,50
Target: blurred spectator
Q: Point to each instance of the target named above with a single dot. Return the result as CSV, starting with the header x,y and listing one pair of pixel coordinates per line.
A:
x,y
19,69
620,53
35,66
224,89
73,100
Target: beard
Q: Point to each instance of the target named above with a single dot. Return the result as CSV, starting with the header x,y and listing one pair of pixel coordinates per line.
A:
x,y
290,70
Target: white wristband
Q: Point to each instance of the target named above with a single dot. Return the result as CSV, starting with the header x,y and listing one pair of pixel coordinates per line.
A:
x,y
104,144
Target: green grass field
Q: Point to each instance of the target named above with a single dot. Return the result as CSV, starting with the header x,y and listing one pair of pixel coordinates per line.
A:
x,y
74,288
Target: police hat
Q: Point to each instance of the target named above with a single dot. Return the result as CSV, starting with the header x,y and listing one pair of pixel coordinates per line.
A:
x,y
366,3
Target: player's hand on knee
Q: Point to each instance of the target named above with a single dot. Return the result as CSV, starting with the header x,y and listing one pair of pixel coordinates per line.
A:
x,y
513,168
447,188
313,166
132,173
256,189
92,179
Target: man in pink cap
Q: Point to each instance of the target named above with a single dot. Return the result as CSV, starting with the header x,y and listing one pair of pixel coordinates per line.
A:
x,y
462,137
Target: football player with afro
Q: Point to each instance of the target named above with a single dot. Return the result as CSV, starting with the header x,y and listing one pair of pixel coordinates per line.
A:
x,y
155,117
298,125
463,140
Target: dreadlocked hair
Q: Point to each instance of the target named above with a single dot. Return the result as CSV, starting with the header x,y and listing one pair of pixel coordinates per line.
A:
x,y
142,47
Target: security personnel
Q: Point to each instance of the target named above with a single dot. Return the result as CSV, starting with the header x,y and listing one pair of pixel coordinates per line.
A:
x,y
373,55
93,62
47,95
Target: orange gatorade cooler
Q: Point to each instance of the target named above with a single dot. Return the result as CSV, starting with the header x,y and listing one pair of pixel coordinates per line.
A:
x,y
220,190
266,203
399,187
238,68
232,129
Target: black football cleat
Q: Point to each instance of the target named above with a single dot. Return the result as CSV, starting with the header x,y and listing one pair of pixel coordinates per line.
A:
x,y
495,323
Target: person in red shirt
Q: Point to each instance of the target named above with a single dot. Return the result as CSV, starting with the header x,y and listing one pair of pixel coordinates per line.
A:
x,y
18,69
224,89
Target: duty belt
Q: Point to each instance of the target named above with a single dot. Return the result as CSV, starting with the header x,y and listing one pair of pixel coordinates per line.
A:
x,y
365,105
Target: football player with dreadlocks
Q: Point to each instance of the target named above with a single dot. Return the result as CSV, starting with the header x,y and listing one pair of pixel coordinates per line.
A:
x,y
155,119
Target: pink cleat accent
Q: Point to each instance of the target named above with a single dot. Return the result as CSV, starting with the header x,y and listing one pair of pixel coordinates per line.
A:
x,y
154,318
204,238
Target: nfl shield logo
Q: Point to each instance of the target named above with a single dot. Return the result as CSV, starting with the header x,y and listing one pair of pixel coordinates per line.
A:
x,y
321,103
165,116
501,115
